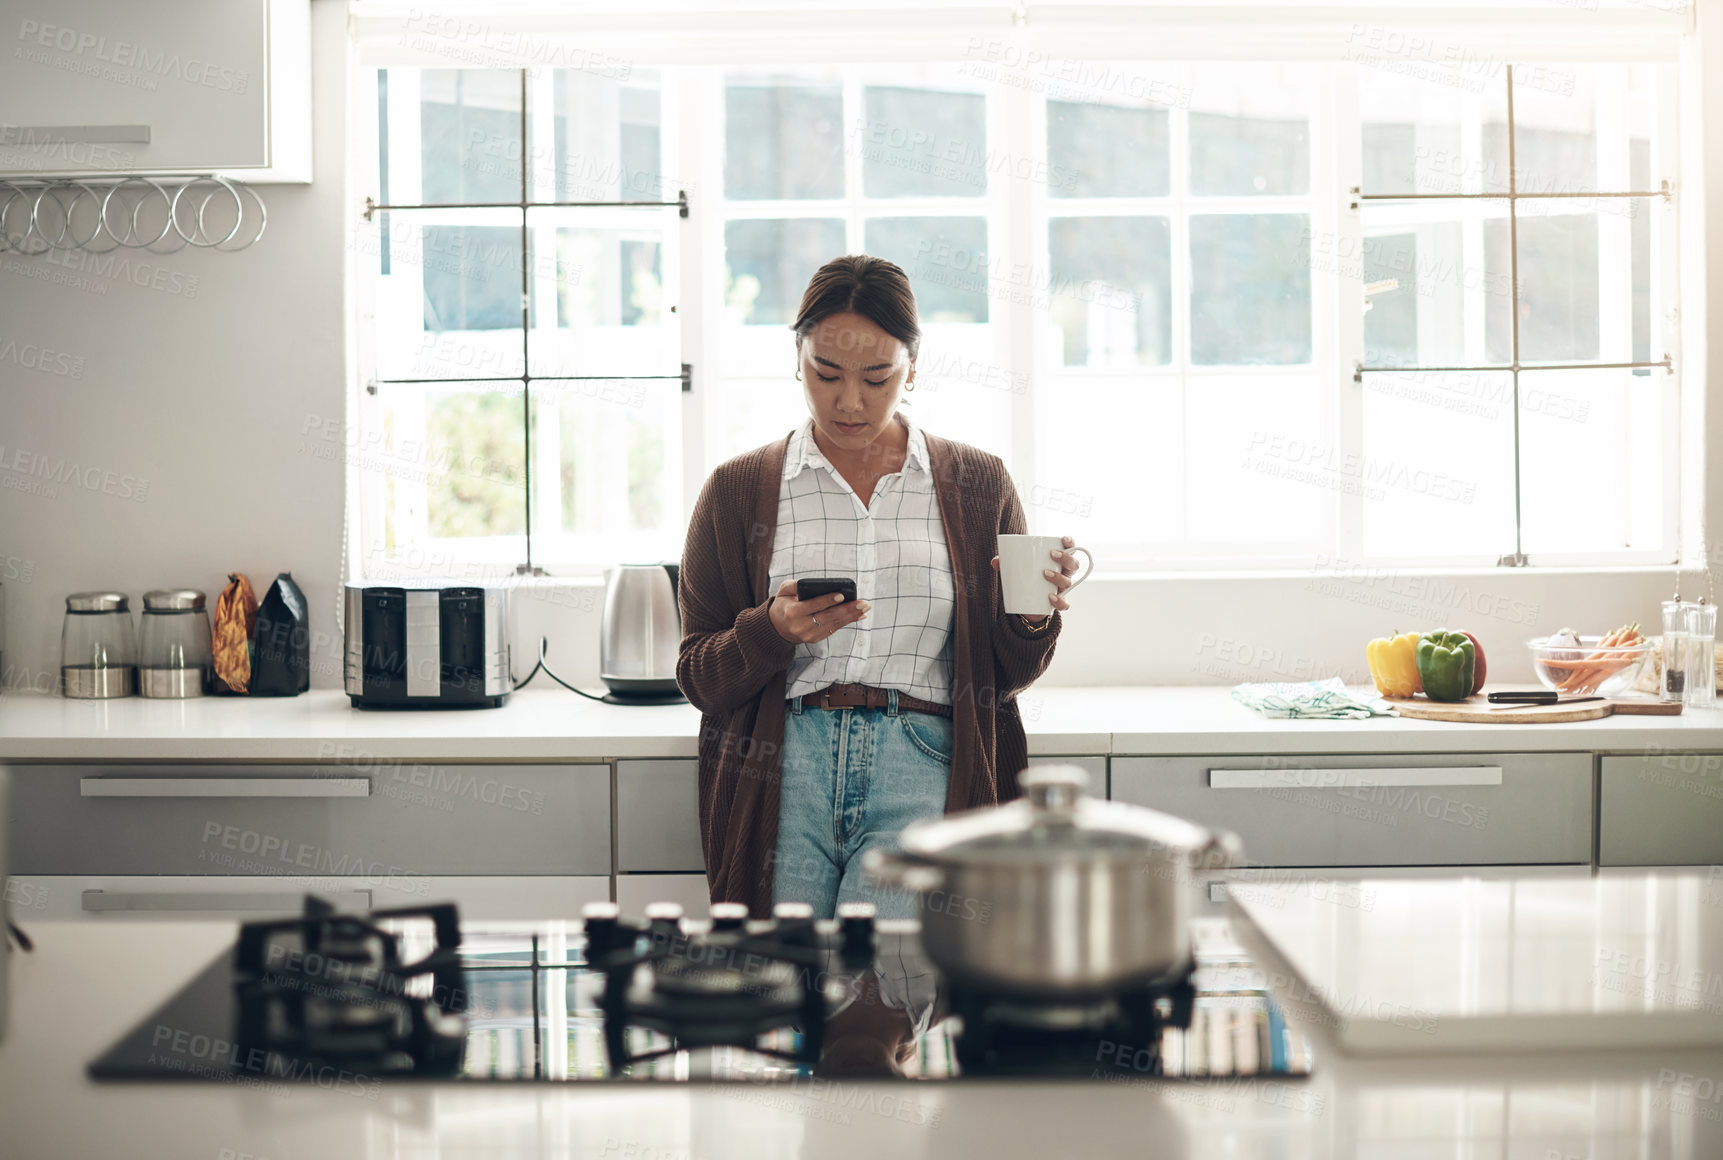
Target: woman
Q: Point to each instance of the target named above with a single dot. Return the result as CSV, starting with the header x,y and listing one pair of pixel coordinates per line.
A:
x,y
828,725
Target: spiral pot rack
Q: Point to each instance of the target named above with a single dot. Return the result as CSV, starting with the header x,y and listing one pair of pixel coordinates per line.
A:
x,y
160,213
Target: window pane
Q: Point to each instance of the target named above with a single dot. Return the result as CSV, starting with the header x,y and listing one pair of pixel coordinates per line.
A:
x,y
607,469
1576,283
1574,125
1250,289
1436,476
1421,133
1605,427
608,287
450,466
1106,150
782,141
608,141
1263,464
1092,480
1250,130
1423,266
476,284
757,411
923,142
962,390
945,258
469,136
767,265
1111,290
449,306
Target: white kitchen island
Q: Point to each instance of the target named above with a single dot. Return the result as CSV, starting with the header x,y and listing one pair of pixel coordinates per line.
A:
x,y
87,983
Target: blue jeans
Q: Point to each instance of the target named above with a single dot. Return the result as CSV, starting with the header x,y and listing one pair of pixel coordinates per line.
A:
x,y
852,779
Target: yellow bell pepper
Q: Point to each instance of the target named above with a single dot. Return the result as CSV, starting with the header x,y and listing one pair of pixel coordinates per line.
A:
x,y
1393,664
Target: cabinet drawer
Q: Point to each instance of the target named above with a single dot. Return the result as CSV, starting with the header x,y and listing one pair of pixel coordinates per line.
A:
x,y
383,820
658,816
635,892
240,899
1378,810
1661,808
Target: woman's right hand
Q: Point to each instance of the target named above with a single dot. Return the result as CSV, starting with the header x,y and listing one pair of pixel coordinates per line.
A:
x,y
810,621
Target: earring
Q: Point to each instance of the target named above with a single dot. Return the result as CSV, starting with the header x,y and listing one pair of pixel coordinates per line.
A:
x,y
798,375
910,385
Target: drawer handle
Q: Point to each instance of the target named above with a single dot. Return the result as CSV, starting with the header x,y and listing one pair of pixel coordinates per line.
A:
x,y
225,787
285,902
1354,778
25,136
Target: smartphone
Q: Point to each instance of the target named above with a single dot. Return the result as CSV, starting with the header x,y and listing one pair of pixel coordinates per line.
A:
x,y
822,585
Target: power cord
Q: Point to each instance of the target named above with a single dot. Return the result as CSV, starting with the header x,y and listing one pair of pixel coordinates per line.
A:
x,y
543,648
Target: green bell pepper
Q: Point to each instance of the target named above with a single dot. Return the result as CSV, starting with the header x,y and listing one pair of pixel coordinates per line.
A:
x,y
1446,662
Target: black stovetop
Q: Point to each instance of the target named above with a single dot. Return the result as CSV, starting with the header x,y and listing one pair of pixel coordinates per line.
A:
x,y
520,1002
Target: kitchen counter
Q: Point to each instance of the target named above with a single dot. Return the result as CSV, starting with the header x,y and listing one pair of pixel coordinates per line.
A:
x,y
550,724
86,983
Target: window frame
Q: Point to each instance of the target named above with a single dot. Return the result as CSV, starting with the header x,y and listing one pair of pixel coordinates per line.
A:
x,y
1017,213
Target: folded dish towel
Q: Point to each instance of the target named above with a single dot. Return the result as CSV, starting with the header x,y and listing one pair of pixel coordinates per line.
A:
x,y
1330,698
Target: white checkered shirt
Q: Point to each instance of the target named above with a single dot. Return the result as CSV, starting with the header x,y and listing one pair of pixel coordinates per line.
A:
x,y
894,548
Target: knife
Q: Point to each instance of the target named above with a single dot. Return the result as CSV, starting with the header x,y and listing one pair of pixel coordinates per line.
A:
x,y
1528,700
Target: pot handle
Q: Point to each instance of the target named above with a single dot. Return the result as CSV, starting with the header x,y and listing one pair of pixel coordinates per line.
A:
x,y
893,868
1223,850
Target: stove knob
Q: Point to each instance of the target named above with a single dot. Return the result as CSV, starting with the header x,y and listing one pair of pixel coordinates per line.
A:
x,y
602,915
855,921
793,912
665,918
599,919
729,916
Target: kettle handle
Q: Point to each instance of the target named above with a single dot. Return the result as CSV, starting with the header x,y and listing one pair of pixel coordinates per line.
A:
x,y
675,571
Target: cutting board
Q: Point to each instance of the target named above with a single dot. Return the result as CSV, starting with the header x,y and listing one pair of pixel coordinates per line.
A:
x,y
1477,710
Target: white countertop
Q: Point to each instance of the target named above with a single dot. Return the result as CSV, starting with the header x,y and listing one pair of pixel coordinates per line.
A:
x,y
89,982
1462,965
550,724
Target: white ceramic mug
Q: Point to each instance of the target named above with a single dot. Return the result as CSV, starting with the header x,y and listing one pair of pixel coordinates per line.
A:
x,y
1021,559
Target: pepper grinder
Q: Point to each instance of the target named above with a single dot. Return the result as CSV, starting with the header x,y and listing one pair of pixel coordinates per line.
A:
x,y
1701,655
1673,650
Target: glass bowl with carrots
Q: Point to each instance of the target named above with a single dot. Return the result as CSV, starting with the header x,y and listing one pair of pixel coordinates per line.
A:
x,y
1578,666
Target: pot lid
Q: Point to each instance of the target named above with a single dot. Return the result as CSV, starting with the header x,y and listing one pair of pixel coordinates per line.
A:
x,y
172,599
1055,820
97,602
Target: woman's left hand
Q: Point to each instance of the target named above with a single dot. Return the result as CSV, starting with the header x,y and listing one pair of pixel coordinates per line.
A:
x,y
1064,564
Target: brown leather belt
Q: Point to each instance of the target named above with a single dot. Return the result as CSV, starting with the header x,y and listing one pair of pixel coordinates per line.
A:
x,y
868,697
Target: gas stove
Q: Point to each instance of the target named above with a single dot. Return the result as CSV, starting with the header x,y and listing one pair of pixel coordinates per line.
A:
x,y
343,999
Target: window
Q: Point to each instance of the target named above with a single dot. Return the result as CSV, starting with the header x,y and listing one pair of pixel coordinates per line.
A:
x,y
1210,314
524,370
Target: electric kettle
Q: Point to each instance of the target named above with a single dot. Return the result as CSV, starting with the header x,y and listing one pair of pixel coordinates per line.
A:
x,y
641,633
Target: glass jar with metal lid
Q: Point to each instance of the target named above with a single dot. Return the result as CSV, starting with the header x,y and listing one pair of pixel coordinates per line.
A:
x,y
175,659
98,651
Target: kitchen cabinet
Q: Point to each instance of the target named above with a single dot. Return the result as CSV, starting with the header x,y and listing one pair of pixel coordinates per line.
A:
x,y
236,898
658,816
634,892
173,86
400,821
1362,810
1662,807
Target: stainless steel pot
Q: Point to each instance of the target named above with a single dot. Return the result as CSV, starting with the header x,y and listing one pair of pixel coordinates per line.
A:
x,y
1057,895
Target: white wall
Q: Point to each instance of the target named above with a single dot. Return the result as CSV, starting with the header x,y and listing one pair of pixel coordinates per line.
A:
x,y
197,389
205,397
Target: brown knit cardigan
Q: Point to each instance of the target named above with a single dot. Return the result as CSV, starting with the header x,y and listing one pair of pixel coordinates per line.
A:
x,y
733,664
